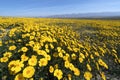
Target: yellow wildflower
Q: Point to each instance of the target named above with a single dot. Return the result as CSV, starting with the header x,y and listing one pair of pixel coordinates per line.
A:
x,y
97,65
91,56
76,71
82,55
69,77
47,50
56,66
46,46
80,60
43,62
19,77
60,54
12,47
32,61
86,54
15,66
7,54
87,75
58,73
55,54
4,59
24,57
24,49
31,43
66,58
71,67
52,47
74,56
33,56
31,79
67,64
59,49
0,43
28,72
88,67
51,69
36,47
102,63
32,37
97,54
19,40
103,76
48,57
41,52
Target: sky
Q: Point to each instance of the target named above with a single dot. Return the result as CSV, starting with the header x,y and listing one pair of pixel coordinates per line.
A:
x,y
56,7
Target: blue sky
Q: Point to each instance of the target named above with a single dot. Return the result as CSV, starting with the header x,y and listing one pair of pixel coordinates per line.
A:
x,y
54,7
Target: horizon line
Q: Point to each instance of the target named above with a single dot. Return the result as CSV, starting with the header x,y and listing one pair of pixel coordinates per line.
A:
x,y
60,14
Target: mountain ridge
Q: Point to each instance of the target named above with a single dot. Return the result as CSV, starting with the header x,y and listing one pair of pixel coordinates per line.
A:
x,y
87,15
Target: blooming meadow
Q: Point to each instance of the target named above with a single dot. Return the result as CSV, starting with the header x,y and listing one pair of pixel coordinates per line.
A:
x,y
57,49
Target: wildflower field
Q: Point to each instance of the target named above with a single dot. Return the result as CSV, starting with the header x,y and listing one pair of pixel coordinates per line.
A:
x,y
59,49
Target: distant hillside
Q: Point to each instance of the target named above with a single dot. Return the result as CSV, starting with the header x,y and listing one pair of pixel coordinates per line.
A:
x,y
89,15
